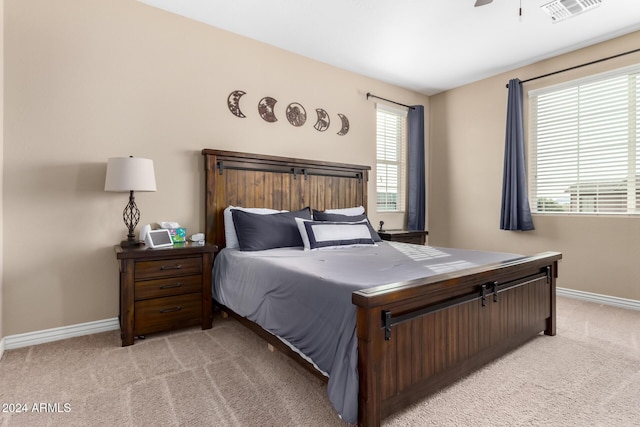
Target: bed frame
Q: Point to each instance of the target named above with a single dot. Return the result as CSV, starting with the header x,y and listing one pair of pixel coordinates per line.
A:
x,y
414,337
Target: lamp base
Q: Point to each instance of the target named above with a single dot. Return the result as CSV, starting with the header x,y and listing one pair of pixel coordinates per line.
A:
x,y
131,243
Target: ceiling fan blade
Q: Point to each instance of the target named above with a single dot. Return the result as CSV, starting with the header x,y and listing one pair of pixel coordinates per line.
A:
x,y
482,2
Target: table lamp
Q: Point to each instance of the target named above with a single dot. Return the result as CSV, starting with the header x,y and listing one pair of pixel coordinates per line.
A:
x,y
129,174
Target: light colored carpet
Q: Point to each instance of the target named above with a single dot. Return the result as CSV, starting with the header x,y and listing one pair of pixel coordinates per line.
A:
x,y
587,375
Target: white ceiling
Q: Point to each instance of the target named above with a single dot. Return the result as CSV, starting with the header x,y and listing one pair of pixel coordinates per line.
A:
x,y
424,45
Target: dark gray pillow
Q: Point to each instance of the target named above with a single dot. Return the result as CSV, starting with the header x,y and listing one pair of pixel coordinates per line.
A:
x,y
324,216
259,232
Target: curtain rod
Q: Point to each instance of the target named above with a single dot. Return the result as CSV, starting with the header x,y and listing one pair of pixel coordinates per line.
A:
x,y
579,66
388,100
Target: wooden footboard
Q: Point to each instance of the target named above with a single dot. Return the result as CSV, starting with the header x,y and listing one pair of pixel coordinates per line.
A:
x,y
416,337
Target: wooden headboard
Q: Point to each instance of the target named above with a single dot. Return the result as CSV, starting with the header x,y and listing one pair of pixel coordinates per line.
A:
x,y
257,180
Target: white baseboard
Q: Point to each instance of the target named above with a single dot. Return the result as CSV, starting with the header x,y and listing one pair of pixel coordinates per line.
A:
x,y
48,335
599,299
61,333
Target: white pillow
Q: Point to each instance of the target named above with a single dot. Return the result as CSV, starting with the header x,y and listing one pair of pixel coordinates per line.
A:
x,y
318,235
303,232
230,236
347,211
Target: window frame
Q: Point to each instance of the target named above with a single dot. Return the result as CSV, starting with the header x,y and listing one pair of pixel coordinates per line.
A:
x,y
387,133
601,202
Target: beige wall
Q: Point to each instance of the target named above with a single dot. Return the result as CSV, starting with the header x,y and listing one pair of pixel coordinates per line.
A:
x,y
86,80
1,158
467,148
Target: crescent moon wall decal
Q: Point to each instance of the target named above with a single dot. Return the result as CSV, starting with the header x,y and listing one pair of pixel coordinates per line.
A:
x,y
266,107
233,102
296,114
323,120
345,125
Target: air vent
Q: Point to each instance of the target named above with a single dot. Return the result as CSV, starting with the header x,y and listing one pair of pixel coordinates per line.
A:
x,y
559,10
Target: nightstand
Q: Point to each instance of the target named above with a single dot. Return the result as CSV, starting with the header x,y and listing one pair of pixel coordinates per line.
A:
x,y
404,236
164,288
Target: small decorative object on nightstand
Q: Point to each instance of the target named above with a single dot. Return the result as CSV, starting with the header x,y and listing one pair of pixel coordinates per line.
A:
x,y
405,236
165,288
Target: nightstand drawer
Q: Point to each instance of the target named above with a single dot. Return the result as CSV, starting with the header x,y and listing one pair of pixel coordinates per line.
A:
x,y
160,314
416,240
405,236
155,288
168,267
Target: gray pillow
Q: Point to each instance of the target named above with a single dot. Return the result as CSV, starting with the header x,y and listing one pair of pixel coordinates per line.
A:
x,y
259,232
324,216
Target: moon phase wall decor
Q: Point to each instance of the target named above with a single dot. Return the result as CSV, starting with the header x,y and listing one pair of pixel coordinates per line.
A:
x,y
345,125
295,113
233,102
266,107
323,120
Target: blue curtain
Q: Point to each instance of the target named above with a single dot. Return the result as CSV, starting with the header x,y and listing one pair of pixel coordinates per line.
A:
x,y
416,178
516,213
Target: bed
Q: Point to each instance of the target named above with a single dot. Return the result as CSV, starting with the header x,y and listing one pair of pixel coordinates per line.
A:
x,y
411,335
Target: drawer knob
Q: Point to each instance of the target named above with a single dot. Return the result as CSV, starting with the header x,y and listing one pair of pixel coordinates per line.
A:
x,y
172,285
170,310
171,267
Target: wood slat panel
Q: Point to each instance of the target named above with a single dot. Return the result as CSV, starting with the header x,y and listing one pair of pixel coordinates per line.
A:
x,y
258,189
428,345
440,336
484,330
389,364
508,299
328,193
278,195
295,193
313,191
526,302
417,350
266,198
519,309
473,308
465,326
322,193
405,354
451,334
503,315
287,182
343,193
241,188
231,194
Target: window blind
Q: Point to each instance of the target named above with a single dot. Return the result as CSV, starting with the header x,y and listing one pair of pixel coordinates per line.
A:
x,y
391,141
584,151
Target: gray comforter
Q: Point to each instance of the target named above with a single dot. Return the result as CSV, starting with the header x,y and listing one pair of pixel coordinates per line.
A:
x,y
304,297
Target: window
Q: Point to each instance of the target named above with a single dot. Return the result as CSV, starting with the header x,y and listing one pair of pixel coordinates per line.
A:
x,y
391,125
585,145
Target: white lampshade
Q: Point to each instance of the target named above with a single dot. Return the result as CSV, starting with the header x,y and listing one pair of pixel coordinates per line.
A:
x,y
130,174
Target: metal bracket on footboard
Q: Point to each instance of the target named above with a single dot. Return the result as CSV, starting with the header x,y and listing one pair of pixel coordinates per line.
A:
x,y
483,294
386,320
548,274
389,320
